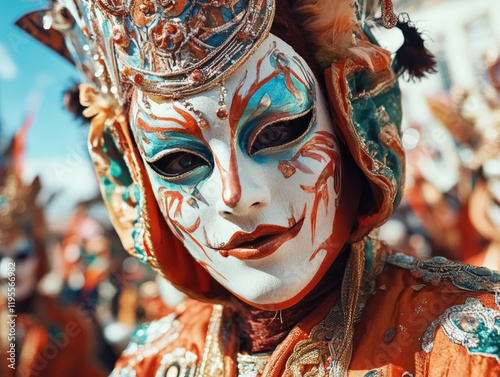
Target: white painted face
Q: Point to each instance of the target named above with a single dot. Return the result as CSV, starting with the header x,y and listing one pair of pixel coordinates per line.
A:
x,y
18,258
247,175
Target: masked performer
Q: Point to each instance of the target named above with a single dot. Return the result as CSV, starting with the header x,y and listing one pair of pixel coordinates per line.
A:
x,y
246,150
39,337
473,118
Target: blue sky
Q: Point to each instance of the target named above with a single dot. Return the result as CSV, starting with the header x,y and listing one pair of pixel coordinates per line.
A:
x,y
32,76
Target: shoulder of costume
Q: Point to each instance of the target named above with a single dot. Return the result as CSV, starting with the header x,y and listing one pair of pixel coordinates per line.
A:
x,y
453,309
171,341
469,321
439,269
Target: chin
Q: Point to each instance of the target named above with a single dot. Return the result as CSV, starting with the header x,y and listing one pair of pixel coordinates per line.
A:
x,y
272,298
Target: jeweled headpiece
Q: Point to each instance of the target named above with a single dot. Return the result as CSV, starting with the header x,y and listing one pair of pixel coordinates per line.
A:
x,y
171,48
178,47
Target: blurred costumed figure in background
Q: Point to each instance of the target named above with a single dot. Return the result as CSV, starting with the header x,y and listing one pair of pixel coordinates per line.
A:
x,y
114,290
430,210
473,119
46,338
246,150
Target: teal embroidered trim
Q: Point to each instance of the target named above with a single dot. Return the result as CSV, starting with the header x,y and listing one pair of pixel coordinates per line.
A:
x,y
150,338
438,269
471,325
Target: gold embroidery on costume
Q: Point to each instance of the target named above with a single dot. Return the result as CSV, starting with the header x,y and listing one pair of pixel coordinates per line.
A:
x,y
212,362
333,336
471,325
149,340
179,363
251,365
437,269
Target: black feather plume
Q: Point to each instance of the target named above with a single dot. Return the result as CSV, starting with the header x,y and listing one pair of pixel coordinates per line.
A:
x,y
412,58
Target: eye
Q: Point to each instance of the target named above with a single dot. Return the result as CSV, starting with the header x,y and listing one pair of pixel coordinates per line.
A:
x,y
177,164
281,133
23,254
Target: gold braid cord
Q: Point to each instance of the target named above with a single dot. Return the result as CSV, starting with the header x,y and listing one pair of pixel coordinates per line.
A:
x,y
212,363
332,338
340,345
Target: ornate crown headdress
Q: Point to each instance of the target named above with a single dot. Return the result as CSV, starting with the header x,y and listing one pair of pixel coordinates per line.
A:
x,y
473,117
171,48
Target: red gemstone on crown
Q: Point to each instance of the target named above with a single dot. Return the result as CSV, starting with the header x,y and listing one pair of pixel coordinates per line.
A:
x,y
242,35
120,39
197,75
138,78
172,29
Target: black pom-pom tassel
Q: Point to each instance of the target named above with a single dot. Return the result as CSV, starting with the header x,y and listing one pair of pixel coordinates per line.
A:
x,y
71,100
412,58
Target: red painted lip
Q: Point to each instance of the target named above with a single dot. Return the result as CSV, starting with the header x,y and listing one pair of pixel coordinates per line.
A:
x,y
262,242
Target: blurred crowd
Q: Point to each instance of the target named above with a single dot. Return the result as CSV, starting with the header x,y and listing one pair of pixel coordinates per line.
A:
x,y
79,294
451,205
73,298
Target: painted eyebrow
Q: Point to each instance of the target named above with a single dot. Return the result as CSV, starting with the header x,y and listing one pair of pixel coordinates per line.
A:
x,y
188,124
240,101
293,103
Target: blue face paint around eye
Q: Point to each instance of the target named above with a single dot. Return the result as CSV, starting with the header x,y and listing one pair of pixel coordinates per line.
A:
x,y
273,102
177,158
181,162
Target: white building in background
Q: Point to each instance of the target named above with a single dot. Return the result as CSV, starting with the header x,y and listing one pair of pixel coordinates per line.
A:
x,y
459,33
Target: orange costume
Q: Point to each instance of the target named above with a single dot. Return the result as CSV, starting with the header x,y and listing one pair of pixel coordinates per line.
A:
x,y
413,319
53,341
247,150
39,337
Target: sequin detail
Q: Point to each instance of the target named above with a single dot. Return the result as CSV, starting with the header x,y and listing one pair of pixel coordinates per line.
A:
x,y
251,365
128,371
471,325
373,373
148,339
389,335
179,363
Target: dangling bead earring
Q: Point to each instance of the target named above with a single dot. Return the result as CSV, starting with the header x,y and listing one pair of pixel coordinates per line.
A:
x,y
146,103
200,120
222,112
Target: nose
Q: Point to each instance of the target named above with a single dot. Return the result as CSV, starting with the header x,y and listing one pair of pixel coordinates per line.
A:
x,y
243,193
243,208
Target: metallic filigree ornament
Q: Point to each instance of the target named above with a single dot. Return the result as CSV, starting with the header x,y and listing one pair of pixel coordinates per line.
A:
x,y
172,48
